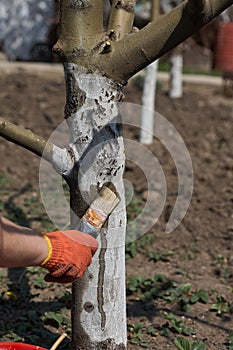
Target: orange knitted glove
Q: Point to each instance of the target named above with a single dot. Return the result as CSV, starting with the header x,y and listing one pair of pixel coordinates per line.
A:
x,y
70,253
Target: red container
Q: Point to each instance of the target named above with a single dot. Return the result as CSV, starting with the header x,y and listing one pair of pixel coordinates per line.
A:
x,y
19,346
224,48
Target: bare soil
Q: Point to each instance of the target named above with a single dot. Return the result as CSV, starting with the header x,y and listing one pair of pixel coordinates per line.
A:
x,y
202,244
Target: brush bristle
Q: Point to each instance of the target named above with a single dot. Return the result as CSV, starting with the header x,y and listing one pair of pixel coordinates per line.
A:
x,y
106,201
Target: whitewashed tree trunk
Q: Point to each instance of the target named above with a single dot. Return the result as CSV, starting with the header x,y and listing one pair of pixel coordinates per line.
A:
x,y
99,314
149,91
176,71
176,58
148,104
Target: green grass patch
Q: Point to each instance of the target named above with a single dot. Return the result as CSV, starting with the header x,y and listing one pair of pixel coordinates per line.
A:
x,y
161,287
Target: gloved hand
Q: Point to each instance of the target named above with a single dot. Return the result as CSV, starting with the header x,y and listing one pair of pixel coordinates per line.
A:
x,y
70,253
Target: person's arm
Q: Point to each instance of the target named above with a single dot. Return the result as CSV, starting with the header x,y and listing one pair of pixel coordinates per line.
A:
x,y
20,246
66,254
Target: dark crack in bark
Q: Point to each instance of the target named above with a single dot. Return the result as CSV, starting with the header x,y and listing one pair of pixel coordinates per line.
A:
x,y
80,4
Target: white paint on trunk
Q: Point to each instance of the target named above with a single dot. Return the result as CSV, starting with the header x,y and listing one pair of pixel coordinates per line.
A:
x,y
148,101
176,70
62,161
99,312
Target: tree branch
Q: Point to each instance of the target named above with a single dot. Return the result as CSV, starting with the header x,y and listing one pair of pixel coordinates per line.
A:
x,y
121,17
134,52
26,138
37,145
155,9
78,20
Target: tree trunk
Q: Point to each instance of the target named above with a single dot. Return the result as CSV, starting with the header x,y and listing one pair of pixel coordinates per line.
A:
x,y
98,314
148,104
149,91
176,73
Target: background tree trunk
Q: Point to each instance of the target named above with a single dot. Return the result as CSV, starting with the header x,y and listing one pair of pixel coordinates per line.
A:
x,y
176,73
149,92
148,103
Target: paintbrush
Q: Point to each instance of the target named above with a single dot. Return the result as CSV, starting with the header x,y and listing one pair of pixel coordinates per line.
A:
x,y
99,210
